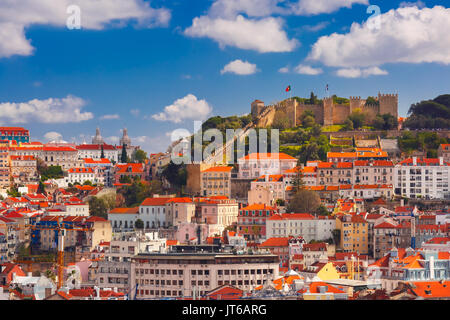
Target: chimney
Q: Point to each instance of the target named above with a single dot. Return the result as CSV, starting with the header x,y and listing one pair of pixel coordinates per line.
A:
x,y
414,159
402,202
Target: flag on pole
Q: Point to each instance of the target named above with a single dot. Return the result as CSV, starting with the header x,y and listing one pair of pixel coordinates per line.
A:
x,y
288,88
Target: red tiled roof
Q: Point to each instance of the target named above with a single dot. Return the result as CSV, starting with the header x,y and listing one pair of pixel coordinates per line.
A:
x,y
134,210
155,201
218,169
292,216
268,156
276,242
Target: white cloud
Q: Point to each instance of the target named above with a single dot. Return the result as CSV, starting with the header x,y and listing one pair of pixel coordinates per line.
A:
x,y
283,70
188,107
360,73
53,136
408,34
313,7
240,67
110,117
52,110
316,27
262,35
112,139
16,16
303,69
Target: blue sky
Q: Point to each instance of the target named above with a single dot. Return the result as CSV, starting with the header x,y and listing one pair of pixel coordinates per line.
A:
x,y
116,74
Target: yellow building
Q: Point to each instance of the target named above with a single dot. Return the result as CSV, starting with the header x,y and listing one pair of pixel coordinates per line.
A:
x,y
323,271
216,181
354,233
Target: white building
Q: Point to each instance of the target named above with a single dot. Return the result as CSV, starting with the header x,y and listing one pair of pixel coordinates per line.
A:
x,y
94,151
300,224
152,212
422,178
254,165
123,219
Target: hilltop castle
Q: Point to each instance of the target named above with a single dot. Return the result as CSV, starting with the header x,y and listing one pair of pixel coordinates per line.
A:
x,y
326,113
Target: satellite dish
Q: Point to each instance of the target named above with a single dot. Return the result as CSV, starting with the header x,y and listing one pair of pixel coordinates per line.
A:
x,y
73,277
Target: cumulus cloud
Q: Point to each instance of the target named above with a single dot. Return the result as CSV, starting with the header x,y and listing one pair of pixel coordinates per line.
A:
x,y
313,7
262,35
303,69
360,73
112,139
53,136
16,16
407,34
240,67
110,117
52,110
188,107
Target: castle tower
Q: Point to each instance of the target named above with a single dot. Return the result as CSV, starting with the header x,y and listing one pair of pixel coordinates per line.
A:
x,y
328,107
388,104
257,108
98,138
291,111
355,103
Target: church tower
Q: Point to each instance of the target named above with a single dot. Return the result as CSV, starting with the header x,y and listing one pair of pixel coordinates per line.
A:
x,y
98,138
125,138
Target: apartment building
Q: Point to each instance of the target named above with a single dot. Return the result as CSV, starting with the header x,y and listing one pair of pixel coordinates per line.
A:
x,y
216,181
422,178
331,173
194,270
94,151
23,168
274,183
219,212
353,233
64,156
252,221
373,172
300,224
254,165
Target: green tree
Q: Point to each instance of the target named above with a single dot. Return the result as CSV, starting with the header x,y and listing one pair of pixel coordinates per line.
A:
x,y
281,120
102,155
140,156
358,118
322,211
98,207
125,179
304,201
308,122
348,125
124,156
41,188
87,183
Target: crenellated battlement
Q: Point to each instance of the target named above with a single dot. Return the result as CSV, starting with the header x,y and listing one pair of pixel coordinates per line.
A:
x,y
328,112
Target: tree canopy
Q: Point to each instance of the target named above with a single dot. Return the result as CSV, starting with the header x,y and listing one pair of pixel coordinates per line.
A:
x,y
430,114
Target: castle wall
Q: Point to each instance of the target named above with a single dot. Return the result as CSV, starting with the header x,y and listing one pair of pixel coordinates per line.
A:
x,y
371,111
340,113
315,108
